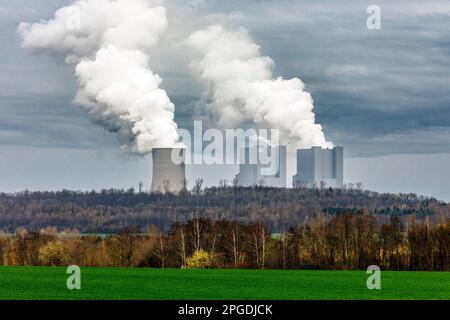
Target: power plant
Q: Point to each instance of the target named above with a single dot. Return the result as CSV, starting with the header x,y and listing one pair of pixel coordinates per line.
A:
x,y
168,175
317,167
254,171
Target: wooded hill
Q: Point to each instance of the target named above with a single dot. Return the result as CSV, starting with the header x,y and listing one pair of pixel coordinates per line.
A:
x,y
110,211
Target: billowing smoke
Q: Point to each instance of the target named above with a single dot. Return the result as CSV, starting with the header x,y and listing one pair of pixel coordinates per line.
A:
x,y
242,88
109,43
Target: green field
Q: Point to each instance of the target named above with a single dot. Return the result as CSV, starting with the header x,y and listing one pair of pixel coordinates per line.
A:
x,y
113,283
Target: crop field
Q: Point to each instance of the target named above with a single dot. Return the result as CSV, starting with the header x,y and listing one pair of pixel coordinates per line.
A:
x,y
161,284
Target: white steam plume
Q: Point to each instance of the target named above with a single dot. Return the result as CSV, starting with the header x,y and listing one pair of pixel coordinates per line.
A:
x,y
109,43
242,88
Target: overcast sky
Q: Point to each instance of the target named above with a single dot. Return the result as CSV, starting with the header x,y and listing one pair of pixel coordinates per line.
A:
x,y
384,94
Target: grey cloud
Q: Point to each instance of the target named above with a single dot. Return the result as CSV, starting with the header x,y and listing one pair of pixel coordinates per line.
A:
x,y
40,121
365,84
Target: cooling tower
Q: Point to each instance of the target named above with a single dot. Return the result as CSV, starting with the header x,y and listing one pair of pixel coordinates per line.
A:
x,y
167,175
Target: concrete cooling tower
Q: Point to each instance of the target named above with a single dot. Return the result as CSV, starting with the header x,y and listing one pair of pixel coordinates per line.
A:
x,y
167,175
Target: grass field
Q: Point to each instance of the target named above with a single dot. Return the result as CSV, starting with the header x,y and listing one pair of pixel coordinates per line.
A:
x,y
110,283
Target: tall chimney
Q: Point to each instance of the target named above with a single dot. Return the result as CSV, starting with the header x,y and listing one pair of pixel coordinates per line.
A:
x,y
168,176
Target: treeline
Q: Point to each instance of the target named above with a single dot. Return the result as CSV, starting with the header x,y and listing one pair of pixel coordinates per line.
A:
x,y
341,241
109,211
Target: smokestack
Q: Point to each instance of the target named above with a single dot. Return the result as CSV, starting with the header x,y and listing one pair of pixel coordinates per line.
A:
x,y
168,176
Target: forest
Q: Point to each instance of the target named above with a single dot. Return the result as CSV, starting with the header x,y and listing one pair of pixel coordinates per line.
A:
x,y
110,211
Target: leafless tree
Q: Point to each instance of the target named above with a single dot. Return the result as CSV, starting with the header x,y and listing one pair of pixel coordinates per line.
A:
x,y
223,184
198,187
182,246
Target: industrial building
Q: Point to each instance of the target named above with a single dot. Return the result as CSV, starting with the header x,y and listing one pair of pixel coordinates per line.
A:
x,y
317,167
168,176
252,170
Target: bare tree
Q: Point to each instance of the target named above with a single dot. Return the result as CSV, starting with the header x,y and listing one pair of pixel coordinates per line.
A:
x,y
235,242
256,245
161,251
263,245
223,184
259,243
212,249
283,246
182,244
198,187
197,235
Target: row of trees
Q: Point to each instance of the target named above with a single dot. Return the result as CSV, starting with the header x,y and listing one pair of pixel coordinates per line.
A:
x,y
342,241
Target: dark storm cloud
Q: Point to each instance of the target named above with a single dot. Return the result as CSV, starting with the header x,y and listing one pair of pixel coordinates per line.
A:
x,y
367,85
38,121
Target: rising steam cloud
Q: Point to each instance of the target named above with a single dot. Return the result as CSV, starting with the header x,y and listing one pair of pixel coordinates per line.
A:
x,y
109,43
242,88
